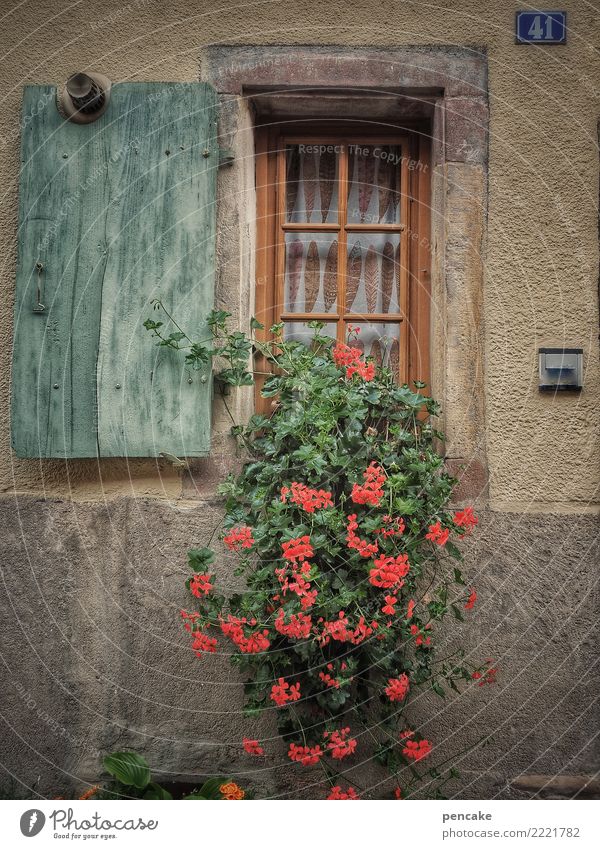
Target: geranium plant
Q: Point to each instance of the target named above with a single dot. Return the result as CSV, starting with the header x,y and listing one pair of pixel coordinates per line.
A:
x,y
341,522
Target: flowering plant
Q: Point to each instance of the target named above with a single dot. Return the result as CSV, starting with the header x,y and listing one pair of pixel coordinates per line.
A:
x,y
131,778
341,524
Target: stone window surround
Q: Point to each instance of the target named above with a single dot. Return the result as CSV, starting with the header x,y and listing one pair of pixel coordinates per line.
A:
x,y
446,83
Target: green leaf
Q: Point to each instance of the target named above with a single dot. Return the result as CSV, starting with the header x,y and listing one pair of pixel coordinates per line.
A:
x,y
405,506
129,768
155,791
438,689
458,578
255,324
457,614
217,318
149,324
198,355
453,551
210,788
200,558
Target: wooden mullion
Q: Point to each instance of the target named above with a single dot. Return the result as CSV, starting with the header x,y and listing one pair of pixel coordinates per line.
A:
x,y
306,227
263,301
375,228
266,255
310,316
406,190
392,318
280,216
342,241
420,294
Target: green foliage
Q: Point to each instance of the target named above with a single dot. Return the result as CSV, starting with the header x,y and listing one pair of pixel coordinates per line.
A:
x,y
131,779
233,348
329,425
128,768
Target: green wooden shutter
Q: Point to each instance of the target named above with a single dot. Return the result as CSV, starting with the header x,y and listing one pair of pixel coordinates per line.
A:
x,y
112,215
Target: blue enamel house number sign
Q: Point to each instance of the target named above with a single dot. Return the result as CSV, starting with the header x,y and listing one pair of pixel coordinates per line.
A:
x,y
541,27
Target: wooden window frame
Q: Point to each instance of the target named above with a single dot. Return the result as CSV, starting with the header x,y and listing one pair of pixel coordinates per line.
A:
x,y
414,230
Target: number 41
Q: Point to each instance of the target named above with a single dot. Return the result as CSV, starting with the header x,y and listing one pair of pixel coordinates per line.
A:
x,y
536,30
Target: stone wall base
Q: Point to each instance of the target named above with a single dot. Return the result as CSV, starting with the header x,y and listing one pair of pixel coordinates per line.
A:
x,y
95,658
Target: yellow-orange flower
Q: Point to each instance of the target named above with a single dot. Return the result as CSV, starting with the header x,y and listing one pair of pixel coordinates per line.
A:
x,y
231,791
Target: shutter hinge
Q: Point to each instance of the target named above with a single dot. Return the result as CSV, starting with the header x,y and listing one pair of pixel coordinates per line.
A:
x,y
226,156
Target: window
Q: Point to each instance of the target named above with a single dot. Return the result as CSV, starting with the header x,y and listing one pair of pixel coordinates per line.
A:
x,y
339,239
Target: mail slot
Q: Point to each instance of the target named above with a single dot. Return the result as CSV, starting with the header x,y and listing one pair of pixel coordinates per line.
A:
x,y
561,368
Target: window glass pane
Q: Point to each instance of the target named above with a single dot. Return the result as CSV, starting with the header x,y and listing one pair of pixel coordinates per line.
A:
x,y
311,272
380,340
311,183
373,273
374,183
299,331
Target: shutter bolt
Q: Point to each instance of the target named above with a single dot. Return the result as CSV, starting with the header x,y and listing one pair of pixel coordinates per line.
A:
x,y
189,380
56,385
206,152
203,379
117,385
65,155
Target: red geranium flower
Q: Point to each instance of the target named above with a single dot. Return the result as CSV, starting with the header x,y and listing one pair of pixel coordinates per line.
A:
x,y
203,644
420,638
283,692
297,549
397,688
252,747
328,679
200,585
239,538
488,676
309,499
351,358
305,755
437,534
254,643
364,548
371,492
466,519
417,751
338,744
338,793
389,571
470,604
388,608
298,627
391,527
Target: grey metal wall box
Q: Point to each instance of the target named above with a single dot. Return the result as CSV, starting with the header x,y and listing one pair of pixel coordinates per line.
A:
x,y
561,369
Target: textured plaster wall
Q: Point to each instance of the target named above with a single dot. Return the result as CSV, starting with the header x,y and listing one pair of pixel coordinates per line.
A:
x,y
95,658
541,251
93,652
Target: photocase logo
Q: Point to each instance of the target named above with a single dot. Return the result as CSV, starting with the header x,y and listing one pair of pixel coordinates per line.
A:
x,y
32,822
